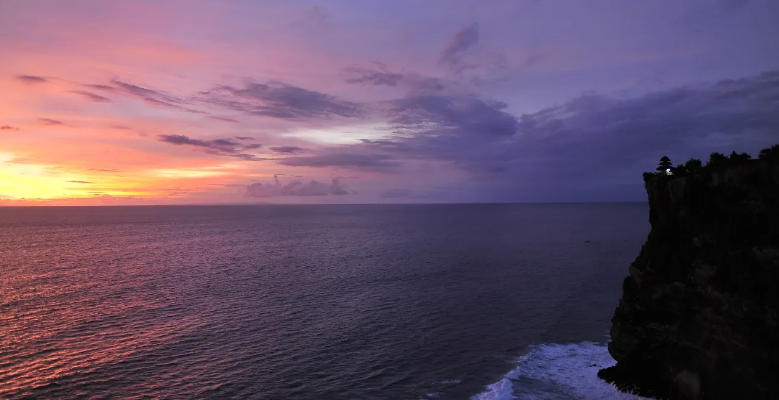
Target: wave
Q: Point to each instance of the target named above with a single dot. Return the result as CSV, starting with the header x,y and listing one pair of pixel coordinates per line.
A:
x,y
557,372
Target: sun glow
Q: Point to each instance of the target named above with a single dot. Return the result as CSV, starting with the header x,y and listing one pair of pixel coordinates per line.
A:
x,y
347,135
22,180
190,172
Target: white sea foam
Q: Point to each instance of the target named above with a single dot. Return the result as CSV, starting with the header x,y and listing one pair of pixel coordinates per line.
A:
x,y
557,372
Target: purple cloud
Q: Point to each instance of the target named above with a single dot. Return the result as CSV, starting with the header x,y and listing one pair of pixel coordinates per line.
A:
x,y
223,119
50,122
92,96
462,40
594,145
380,77
367,162
287,149
225,147
282,101
101,87
31,79
225,185
388,146
442,114
8,128
152,97
419,84
296,188
144,93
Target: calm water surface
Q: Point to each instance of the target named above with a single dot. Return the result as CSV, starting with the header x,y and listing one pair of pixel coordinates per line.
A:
x,y
312,302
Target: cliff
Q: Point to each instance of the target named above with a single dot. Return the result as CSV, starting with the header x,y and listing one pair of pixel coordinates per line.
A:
x,y
698,314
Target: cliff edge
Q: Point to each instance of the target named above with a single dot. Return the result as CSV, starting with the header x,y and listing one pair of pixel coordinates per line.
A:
x,y
698,313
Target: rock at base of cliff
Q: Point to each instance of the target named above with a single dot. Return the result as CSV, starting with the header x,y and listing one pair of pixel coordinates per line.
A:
x,y
640,383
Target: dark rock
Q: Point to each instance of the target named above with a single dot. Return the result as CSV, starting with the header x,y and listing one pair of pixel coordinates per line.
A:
x,y
698,313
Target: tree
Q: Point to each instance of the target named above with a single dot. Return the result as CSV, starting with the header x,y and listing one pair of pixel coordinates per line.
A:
x,y
717,161
693,165
680,170
769,153
665,164
739,158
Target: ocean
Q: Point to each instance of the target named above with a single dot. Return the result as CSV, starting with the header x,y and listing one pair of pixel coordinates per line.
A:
x,y
312,301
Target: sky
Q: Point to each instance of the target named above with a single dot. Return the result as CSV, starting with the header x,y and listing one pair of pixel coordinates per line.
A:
x,y
352,101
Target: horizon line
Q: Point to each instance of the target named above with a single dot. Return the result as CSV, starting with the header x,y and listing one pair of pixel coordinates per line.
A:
x,y
321,204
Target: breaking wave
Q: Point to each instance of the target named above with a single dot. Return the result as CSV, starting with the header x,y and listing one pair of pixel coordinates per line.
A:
x,y
557,372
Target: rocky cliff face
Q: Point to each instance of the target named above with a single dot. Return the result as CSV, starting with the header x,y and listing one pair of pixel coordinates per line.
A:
x,y
698,314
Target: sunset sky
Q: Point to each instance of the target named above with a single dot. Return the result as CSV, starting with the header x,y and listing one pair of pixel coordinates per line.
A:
x,y
355,101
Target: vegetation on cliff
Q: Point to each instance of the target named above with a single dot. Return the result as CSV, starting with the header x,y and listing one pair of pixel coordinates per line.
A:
x,y
717,162
699,313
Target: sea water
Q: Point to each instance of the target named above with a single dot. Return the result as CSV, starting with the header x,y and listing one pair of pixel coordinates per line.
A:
x,y
312,302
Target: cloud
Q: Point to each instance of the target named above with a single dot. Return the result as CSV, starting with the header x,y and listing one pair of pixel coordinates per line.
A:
x,y
366,162
224,147
50,122
287,149
621,130
86,182
380,77
297,188
445,114
223,119
387,145
31,79
244,138
592,145
92,96
475,65
413,82
225,185
152,97
419,84
248,157
279,100
101,87
8,128
462,40
104,170
144,93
